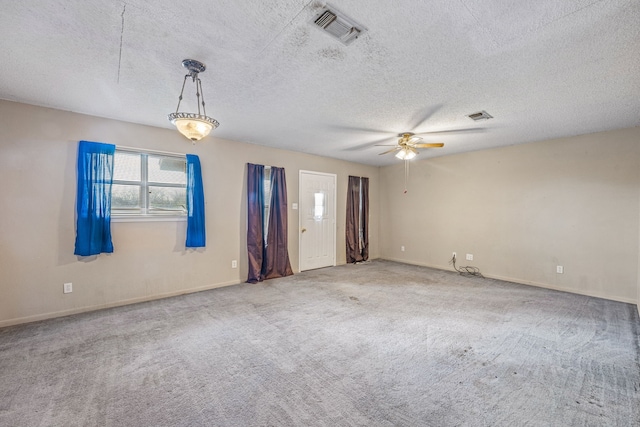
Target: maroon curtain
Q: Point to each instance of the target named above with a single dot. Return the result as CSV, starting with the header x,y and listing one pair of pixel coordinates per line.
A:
x,y
255,221
357,226
276,253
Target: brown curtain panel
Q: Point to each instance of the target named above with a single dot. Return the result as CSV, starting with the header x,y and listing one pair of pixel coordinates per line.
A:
x,y
276,253
364,217
255,221
357,226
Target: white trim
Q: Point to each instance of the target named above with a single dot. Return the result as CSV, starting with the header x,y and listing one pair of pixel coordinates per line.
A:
x,y
525,282
146,151
148,218
51,315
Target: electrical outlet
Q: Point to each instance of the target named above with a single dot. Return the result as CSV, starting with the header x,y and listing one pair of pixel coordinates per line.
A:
x,y
469,257
67,288
234,264
402,248
560,269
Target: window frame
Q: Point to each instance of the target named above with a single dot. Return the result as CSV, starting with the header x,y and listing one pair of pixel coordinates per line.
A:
x,y
143,213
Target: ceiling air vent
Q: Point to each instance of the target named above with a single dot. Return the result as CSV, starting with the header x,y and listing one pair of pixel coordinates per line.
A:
x,y
481,115
338,25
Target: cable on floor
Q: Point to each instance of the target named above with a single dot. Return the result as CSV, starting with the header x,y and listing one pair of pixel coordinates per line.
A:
x,y
466,271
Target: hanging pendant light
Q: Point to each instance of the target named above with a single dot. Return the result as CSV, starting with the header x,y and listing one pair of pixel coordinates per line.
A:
x,y
194,126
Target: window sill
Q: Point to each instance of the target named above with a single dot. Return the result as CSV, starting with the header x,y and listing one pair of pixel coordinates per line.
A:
x,y
148,218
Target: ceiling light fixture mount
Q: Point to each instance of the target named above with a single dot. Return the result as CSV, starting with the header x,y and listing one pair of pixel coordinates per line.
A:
x,y
194,126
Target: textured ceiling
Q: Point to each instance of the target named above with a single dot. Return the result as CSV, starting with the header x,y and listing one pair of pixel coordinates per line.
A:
x,y
543,69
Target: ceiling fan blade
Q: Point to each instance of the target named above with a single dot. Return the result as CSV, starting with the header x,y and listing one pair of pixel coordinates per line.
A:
x,y
366,145
478,130
390,151
358,129
422,116
429,145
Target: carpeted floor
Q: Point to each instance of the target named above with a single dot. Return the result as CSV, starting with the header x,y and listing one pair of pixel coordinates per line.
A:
x,y
376,344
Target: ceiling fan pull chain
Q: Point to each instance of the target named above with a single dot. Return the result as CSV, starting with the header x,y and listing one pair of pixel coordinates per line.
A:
x,y
406,175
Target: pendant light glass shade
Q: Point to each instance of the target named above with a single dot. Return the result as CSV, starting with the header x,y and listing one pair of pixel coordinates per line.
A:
x,y
194,126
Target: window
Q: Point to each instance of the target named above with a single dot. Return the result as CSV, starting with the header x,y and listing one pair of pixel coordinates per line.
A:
x,y
148,184
318,208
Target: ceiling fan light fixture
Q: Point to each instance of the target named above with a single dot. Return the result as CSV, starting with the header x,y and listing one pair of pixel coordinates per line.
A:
x,y
406,153
194,126
407,146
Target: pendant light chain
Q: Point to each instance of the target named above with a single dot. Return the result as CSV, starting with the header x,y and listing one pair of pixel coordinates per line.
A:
x,y
196,79
199,92
181,92
204,110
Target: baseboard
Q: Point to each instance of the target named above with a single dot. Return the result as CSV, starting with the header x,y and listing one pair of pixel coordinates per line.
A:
x,y
51,315
54,314
526,282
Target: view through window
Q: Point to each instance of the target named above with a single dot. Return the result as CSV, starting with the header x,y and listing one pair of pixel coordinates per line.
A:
x,y
147,184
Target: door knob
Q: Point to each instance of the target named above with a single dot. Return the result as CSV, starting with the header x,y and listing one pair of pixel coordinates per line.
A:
x,y
303,230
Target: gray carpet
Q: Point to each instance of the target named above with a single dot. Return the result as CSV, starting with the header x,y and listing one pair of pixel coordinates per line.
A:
x,y
377,344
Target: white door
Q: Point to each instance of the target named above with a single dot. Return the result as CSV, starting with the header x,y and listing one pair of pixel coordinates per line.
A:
x,y
317,220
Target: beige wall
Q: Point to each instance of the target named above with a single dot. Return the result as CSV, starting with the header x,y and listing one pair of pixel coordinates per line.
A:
x,y
520,210
37,170
523,210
